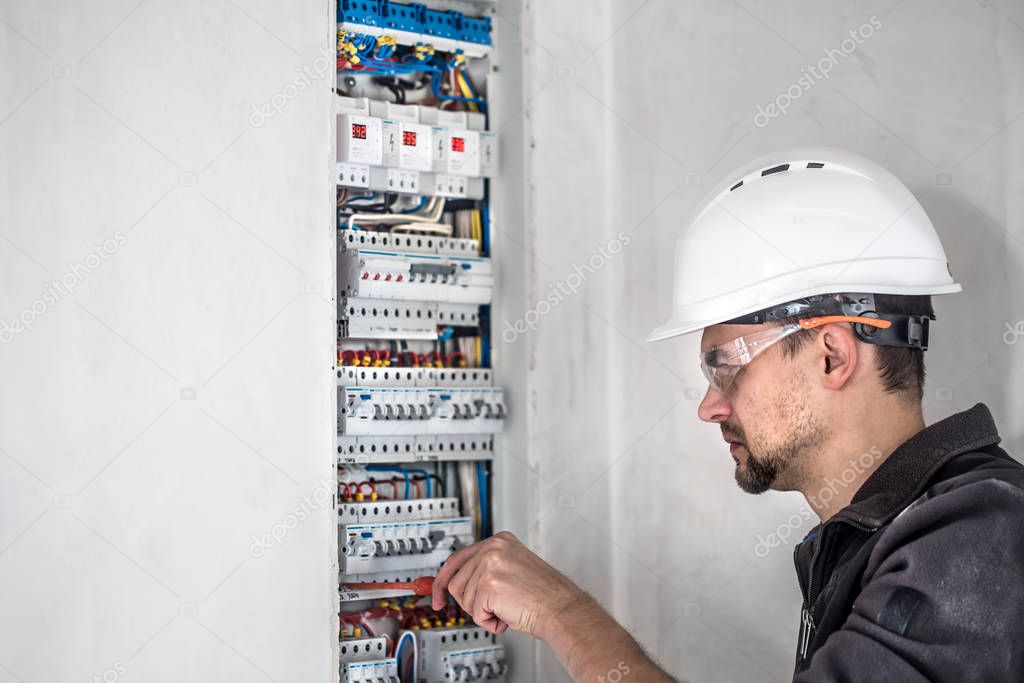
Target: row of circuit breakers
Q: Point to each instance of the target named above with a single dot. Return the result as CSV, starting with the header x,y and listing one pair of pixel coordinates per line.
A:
x,y
445,654
407,287
413,149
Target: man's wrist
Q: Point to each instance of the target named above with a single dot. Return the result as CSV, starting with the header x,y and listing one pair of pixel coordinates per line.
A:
x,y
570,622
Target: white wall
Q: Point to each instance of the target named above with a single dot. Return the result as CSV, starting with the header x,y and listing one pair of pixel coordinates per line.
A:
x,y
129,502
633,109
179,401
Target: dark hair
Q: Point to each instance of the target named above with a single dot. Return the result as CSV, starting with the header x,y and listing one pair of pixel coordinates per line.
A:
x,y
901,368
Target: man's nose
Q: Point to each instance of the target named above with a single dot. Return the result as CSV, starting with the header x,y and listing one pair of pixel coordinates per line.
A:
x,y
714,407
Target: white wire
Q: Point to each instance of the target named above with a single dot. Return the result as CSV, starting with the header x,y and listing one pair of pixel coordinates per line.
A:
x,y
432,214
436,228
470,496
415,653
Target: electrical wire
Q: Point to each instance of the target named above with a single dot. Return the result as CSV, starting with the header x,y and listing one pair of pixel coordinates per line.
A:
x,y
371,54
441,485
481,475
485,228
468,485
381,468
426,476
466,89
418,207
436,229
432,214
415,651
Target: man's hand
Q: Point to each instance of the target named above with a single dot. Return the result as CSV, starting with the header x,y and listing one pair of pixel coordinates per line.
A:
x,y
502,584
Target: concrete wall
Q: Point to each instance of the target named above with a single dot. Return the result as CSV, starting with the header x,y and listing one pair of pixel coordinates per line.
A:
x,y
158,422
633,109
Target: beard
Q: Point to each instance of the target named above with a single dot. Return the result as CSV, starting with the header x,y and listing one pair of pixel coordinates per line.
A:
x,y
762,470
778,465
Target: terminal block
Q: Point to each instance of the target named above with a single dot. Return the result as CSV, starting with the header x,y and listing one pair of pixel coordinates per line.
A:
x,y
415,23
359,375
363,450
416,510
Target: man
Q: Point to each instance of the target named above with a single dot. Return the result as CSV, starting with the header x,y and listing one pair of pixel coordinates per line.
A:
x,y
811,275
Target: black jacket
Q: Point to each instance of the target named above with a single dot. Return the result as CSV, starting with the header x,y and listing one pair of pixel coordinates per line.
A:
x,y
921,576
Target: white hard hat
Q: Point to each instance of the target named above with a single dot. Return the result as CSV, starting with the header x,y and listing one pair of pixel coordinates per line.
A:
x,y
798,223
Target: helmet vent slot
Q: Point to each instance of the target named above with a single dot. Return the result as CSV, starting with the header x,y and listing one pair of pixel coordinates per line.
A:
x,y
775,169
735,186
815,164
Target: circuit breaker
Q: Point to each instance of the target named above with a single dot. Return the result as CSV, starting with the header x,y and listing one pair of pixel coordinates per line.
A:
x,y
460,654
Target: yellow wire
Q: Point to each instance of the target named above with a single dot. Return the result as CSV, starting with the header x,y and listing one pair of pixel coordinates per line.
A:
x,y
466,92
476,226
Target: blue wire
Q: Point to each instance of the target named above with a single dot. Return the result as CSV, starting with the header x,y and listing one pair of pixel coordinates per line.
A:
x,y
485,228
481,477
380,468
401,643
435,67
435,84
430,488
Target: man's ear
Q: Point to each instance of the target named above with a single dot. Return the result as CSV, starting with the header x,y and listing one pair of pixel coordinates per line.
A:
x,y
838,354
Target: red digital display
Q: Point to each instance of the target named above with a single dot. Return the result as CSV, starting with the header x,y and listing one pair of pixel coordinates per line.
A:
x,y
409,138
458,144
358,131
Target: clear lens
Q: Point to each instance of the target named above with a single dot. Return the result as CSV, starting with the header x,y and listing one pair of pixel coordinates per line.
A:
x,y
722,363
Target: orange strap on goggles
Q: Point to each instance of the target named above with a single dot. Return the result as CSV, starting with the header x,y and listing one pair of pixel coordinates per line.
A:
x,y
811,323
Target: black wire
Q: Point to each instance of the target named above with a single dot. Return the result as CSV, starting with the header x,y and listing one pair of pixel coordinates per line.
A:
x,y
441,484
398,91
389,200
461,204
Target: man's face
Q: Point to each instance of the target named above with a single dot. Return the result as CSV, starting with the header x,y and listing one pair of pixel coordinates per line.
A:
x,y
767,414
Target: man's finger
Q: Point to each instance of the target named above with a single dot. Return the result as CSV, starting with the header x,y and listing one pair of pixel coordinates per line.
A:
x,y
473,576
489,622
457,585
456,560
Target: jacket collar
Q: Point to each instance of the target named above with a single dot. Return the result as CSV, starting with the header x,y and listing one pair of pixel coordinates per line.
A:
x,y
906,472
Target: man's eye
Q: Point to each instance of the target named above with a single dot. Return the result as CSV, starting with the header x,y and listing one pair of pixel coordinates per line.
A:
x,y
722,360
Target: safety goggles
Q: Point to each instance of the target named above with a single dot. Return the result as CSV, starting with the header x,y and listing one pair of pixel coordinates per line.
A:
x,y
722,363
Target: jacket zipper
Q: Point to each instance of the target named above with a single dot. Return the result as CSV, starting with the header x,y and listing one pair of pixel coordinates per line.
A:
x,y
806,631
807,625
806,617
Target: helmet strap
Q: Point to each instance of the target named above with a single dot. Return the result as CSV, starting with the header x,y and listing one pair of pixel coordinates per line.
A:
x,y
907,330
